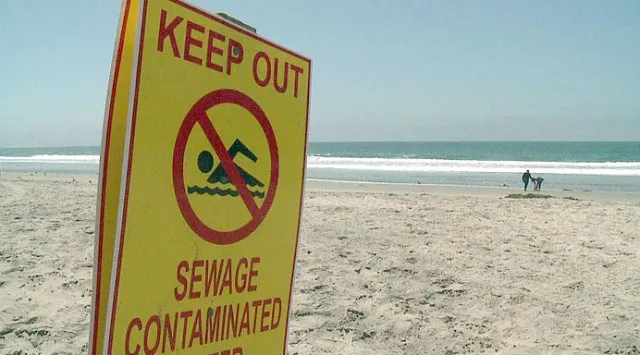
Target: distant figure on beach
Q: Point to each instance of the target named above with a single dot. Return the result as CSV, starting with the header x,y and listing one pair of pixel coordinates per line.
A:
x,y
537,183
525,179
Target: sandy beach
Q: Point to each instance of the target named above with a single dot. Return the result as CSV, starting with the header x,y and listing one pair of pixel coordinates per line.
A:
x,y
382,269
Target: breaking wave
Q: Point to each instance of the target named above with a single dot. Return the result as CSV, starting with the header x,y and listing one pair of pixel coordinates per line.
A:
x,y
52,158
474,166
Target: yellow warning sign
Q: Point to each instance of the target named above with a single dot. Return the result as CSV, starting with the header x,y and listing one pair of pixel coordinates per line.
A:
x,y
209,212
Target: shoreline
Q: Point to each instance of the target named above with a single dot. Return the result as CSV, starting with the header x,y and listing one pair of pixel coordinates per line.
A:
x,y
461,190
328,185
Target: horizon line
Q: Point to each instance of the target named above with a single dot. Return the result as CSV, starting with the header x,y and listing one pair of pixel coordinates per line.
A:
x,y
376,141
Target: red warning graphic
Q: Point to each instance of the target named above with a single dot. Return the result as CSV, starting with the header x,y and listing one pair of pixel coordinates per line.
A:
x,y
197,115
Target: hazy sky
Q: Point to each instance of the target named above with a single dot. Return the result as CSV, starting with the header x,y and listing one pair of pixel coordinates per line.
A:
x,y
382,70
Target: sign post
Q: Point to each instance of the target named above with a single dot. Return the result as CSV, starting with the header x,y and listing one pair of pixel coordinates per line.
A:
x,y
211,194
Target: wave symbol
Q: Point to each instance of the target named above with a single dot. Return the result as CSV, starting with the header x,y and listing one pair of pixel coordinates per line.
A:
x,y
220,192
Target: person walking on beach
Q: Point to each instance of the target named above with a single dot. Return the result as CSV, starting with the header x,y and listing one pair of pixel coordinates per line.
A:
x,y
525,179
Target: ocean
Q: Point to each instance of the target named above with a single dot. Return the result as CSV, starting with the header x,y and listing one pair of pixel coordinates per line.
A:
x,y
580,166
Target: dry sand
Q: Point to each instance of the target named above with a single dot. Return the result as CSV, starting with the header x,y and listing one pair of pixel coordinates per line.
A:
x,y
383,269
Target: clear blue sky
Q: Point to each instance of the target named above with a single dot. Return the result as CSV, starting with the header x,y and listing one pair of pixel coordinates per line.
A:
x,y
385,70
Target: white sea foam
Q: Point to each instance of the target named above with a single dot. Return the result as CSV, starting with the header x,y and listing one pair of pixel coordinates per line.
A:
x,y
52,158
400,165
474,166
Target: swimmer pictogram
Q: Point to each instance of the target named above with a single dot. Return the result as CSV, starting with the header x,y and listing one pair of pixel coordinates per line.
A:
x,y
206,163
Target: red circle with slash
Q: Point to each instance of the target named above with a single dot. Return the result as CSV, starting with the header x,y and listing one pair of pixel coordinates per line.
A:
x,y
198,115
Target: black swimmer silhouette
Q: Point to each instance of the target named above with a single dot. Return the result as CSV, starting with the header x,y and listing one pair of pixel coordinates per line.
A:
x,y
219,175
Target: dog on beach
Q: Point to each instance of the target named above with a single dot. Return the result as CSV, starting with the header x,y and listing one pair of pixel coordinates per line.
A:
x,y
537,183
